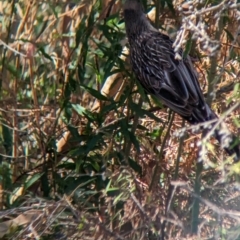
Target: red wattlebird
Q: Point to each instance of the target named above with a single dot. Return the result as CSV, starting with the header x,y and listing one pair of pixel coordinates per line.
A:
x,y
172,80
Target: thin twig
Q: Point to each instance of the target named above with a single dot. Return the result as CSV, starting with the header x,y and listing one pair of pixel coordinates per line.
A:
x,y
160,155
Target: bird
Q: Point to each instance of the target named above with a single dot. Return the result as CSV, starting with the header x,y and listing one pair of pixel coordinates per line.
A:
x,y
172,80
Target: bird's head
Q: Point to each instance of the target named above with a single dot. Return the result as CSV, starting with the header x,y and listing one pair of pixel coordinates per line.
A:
x,y
134,16
133,6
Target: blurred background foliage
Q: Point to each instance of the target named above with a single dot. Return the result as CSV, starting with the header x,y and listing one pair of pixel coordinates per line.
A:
x,y
82,155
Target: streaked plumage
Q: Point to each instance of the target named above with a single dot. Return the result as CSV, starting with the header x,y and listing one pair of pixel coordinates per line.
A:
x,y
161,74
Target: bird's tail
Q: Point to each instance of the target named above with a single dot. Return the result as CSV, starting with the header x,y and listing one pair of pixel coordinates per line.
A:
x,y
228,141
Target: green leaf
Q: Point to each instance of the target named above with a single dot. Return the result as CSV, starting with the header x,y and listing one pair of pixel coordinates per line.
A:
x,y
13,70
45,183
156,133
41,50
134,141
188,47
170,5
67,165
82,111
92,143
142,112
80,32
141,90
95,93
135,166
118,198
5,136
32,180
229,35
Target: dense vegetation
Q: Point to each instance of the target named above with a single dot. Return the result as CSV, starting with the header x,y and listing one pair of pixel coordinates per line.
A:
x,y
85,153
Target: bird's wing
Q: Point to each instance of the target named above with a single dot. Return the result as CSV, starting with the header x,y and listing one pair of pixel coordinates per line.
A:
x,y
174,81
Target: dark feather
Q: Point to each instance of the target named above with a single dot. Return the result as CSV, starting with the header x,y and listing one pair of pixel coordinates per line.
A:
x,y
173,81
